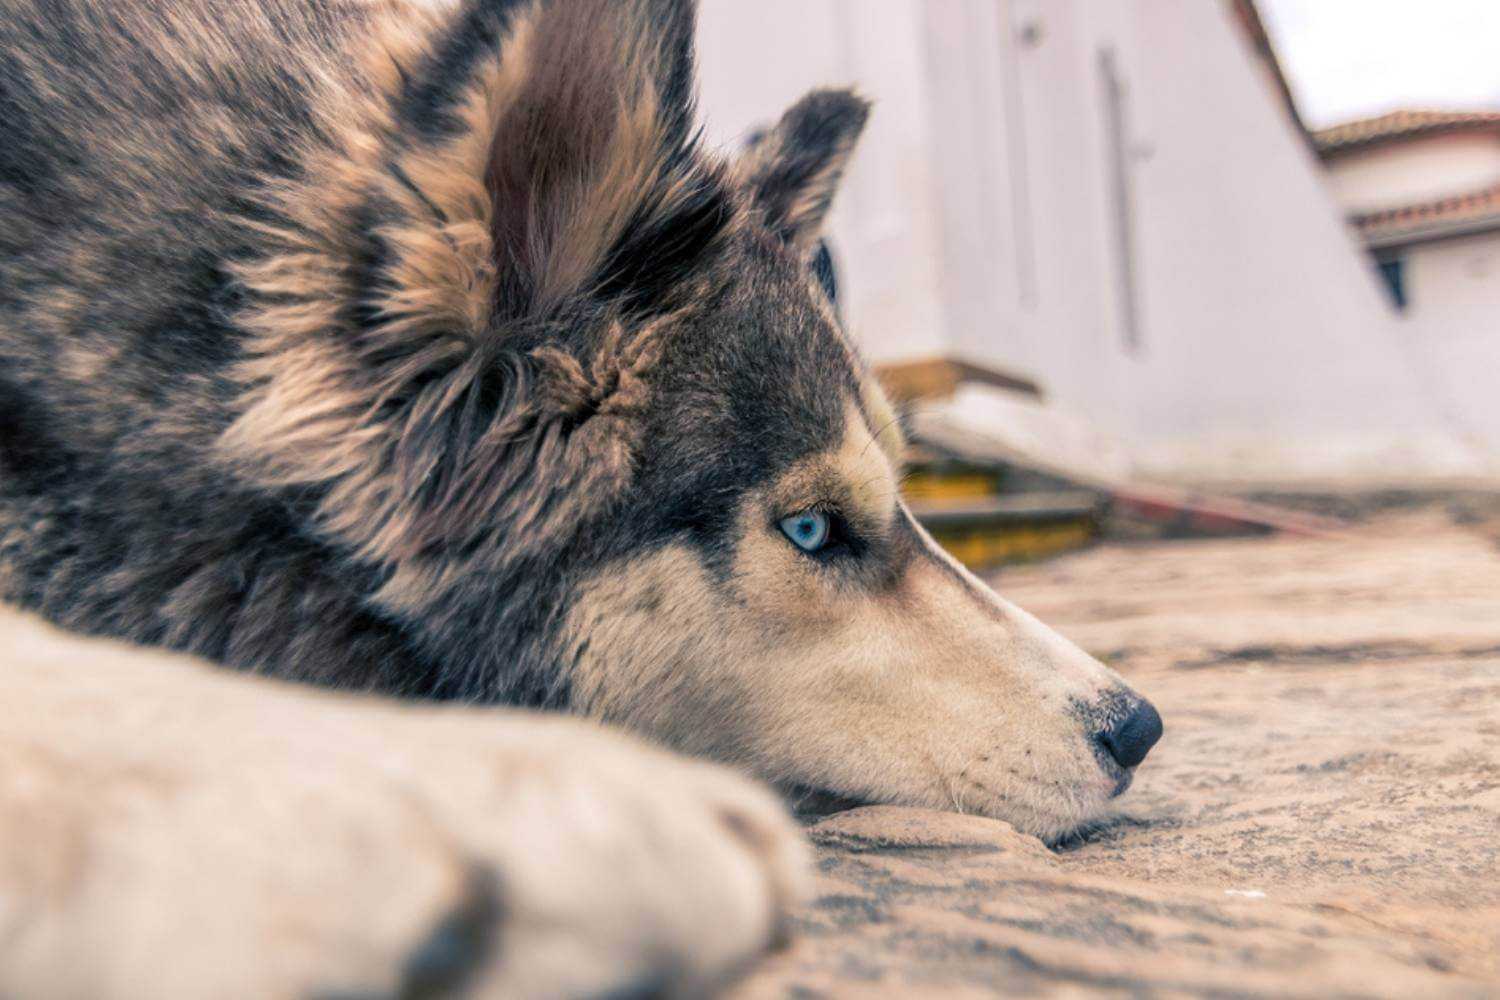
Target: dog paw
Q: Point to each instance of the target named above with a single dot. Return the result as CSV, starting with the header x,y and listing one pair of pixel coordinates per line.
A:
x,y
622,869
175,833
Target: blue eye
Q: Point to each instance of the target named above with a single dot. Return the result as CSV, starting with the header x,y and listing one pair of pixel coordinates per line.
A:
x,y
807,530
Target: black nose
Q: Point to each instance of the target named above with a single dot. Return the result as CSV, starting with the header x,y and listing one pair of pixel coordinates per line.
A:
x,y
1132,737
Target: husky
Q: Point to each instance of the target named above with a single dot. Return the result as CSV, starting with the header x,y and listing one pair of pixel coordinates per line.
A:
x,y
422,350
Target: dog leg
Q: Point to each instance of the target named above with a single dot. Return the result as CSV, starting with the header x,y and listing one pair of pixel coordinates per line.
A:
x,y
172,831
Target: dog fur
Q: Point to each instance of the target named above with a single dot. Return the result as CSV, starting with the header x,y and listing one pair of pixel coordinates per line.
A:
x,y
171,831
422,349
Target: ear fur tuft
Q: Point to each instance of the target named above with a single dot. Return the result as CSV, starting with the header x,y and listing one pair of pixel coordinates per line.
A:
x,y
792,172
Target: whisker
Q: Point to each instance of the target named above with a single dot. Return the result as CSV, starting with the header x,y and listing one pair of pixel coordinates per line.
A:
x,y
875,438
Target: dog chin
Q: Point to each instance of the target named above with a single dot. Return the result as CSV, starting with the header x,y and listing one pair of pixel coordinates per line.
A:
x,y
1088,813
810,804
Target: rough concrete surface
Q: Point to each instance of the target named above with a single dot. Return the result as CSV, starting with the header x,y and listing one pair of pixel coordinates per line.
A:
x,y
1321,819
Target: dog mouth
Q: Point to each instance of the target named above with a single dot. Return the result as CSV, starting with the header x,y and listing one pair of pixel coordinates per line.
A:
x,y
1121,776
810,803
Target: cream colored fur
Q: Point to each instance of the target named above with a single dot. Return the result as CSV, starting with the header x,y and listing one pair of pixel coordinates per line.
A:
x,y
932,692
169,830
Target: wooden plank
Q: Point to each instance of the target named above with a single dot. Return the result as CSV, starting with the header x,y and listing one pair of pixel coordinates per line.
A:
x,y
939,378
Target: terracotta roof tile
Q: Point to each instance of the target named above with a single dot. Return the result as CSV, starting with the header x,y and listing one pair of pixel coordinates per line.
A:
x,y
1398,125
1429,218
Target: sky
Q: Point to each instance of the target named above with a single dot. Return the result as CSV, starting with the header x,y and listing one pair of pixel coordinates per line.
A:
x,y
1350,59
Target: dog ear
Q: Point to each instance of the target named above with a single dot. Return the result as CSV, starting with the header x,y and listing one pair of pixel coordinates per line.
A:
x,y
596,122
792,172
498,170
562,130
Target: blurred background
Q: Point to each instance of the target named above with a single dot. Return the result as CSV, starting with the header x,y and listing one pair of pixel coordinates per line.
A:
x,y
1156,258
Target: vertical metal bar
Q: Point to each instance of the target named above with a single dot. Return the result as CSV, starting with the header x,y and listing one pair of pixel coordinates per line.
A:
x,y
1118,132
1019,161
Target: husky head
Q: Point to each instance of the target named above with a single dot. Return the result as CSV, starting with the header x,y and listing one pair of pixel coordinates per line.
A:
x,y
566,388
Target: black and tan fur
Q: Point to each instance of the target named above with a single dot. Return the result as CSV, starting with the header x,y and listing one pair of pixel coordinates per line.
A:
x,y
423,349
286,389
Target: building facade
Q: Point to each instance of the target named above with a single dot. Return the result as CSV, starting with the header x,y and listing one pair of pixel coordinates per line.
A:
x,y
1115,202
1422,190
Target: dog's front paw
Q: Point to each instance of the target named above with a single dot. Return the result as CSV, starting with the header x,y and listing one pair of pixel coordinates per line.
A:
x,y
622,868
171,832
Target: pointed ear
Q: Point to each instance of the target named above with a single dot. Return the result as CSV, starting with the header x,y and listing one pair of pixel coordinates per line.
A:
x,y
792,172
602,112
560,128
498,162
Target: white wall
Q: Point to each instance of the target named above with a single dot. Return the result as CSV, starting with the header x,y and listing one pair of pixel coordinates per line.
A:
x,y
1415,171
980,220
756,59
1271,349
1453,326
1027,249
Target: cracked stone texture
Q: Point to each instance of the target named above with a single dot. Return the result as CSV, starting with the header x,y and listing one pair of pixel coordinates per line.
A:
x,y
1321,819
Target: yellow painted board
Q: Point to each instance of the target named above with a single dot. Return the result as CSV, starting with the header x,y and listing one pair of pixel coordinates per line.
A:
x,y
939,486
987,547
